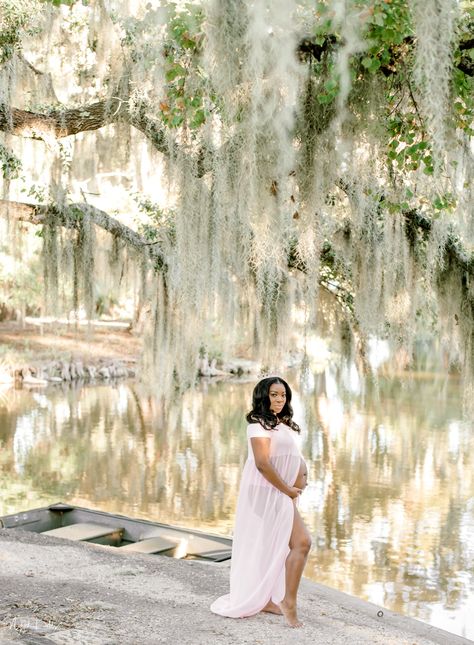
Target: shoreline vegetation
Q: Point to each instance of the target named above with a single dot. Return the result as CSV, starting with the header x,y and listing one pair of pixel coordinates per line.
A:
x,y
43,351
39,352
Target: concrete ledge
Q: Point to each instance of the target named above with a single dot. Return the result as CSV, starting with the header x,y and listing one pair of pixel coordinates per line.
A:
x,y
57,591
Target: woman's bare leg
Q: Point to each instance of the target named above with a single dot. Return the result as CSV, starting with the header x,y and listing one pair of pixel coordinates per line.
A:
x,y
300,544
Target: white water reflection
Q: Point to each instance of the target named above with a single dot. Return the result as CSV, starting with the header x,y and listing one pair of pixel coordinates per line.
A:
x,y
25,439
390,500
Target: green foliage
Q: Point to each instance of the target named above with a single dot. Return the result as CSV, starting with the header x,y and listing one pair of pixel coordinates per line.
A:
x,y
16,21
184,101
161,222
444,202
389,54
330,89
463,101
39,192
11,165
388,30
386,27
388,34
407,149
67,3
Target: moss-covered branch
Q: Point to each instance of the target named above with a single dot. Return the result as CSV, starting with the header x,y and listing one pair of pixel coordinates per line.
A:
x,y
59,123
56,124
72,217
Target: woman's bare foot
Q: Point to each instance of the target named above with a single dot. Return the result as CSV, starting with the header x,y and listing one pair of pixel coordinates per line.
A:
x,y
272,608
289,612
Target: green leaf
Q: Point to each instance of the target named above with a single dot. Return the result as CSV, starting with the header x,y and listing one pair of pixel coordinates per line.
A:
x,y
199,119
413,151
324,99
388,35
378,19
330,84
174,72
375,64
177,120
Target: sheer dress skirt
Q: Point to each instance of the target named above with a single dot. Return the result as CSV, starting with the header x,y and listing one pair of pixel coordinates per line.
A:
x,y
263,525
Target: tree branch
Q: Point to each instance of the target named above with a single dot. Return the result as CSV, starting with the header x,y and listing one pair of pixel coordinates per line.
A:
x,y
153,130
308,48
466,65
57,124
72,217
466,44
417,224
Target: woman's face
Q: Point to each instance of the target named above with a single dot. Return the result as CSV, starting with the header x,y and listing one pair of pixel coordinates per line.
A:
x,y
277,395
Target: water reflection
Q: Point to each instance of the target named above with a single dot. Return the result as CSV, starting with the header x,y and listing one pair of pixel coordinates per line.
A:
x,y
390,502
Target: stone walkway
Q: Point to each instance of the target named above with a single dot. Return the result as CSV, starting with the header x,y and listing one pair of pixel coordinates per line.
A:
x,y
61,592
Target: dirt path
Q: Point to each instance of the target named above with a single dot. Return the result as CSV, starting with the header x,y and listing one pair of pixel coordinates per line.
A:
x,y
56,591
34,344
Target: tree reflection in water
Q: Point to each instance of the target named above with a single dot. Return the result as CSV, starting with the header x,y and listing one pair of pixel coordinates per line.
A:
x,y
391,497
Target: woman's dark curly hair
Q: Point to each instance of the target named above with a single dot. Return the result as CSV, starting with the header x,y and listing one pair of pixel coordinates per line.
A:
x,y
261,413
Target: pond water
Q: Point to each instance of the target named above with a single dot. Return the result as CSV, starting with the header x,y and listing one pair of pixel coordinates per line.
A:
x,y
390,503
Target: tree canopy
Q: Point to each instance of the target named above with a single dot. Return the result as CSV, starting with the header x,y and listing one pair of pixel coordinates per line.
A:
x,y
317,158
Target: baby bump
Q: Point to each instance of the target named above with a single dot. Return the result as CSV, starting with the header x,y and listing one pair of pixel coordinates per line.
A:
x,y
301,480
287,467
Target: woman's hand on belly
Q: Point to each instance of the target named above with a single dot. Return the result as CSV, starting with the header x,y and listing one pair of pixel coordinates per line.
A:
x,y
294,492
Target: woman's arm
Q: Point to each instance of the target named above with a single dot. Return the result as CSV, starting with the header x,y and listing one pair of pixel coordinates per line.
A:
x,y
261,452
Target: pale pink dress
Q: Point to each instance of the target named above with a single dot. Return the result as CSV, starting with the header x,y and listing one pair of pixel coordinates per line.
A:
x,y
263,525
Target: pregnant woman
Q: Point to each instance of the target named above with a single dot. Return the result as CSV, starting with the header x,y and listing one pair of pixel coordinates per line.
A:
x,y
271,543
